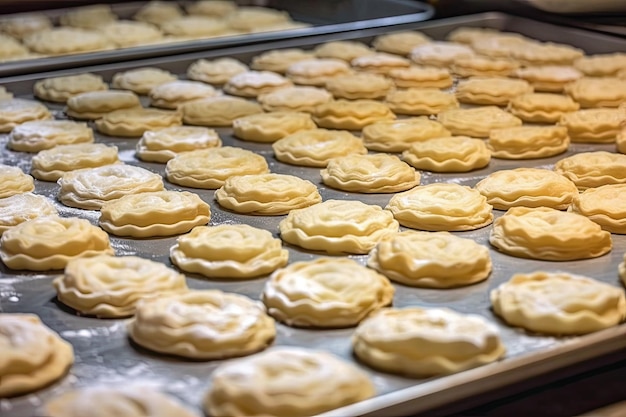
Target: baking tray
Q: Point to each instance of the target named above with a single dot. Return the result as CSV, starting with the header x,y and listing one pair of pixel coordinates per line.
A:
x,y
325,16
104,355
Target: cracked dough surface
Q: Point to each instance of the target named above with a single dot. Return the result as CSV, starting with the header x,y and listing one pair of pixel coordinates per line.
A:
x,y
14,181
51,164
22,207
605,205
164,144
448,154
37,135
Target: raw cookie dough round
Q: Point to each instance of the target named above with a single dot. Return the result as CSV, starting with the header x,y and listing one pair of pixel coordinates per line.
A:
x,y
468,34
316,72
108,286
95,104
601,65
60,89
420,101
542,107
420,342
482,66
39,135
431,259
33,355
379,63
210,168
593,169
232,251
448,154
477,122
343,50
400,43
548,78
22,25
90,188
592,92
325,293
351,114
141,80
65,40
338,226
421,77
491,90
14,181
216,71
278,60
22,207
527,187
558,303
218,111
440,53
266,194
528,142
399,135
158,12
172,94
593,125
270,127
51,164
202,325
164,144
134,122
121,401
547,234
605,205
255,83
152,214
441,207
316,147
16,111
359,86
195,27
546,53
376,173
256,19
126,33
215,8
88,17
285,382
296,99
50,242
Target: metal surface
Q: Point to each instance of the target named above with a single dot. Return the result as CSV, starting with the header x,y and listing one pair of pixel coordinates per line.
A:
x,y
104,354
326,16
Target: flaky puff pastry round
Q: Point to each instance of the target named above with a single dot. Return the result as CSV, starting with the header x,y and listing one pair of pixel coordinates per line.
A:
x,y
164,144
325,293
59,89
255,83
548,234
134,122
217,111
423,342
14,181
558,303
51,164
95,104
172,94
22,207
400,43
527,187
421,77
420,101
535,53
214,8
338,226
33,355
16,111
605,205
206,325
234,251
548,78
270,127
141,80
467,34
541,107
376,173
110,286
592,92
359,86
448,154
528,142
441,207
210,168
379,63
491,90
278,60
156,213
285,382
476,122
481,66
593,125
343,50
90,188
215,71
316,72
431,259
593,169
351,114
440,53
399,135
38,135
127,33
295,99
50,242
316,147
127,401
157,12
266,194
601,65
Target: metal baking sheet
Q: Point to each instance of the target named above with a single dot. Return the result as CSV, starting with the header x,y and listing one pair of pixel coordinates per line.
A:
x,y
104,354
325,16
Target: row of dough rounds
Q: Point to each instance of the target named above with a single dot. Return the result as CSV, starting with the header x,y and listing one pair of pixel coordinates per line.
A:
x,y
96,27
412,341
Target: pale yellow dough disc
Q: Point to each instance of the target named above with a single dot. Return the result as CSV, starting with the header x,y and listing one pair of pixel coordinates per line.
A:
x,y
33,355
535,53
431,259
421,77
448,154
141,80
66,40
400,43
548,78
22,207
164,144
379,63
548,234
423,342
195,27
21,25
286,382
255,18
315,72
12,49
266,194
95,104
210,168
420,101
134,122
316,147
270,127
157,12
338,226
88,17
172,94
593,169
527,187
152,214
491,90
499,45
90,188
233,251
558,303
39,135
593,125
440,53
399,135
126,33
542,107
217,71
325,293
104,401
51,164
605,205
218,111
359,86
528,142
468,34
376,173
296,99
441,207
481,66
343,50
592,92
351,114
14,181
601,65
215,8
476,122
108,286
278,60
50,242
255,83
60,89
202,325
16,111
